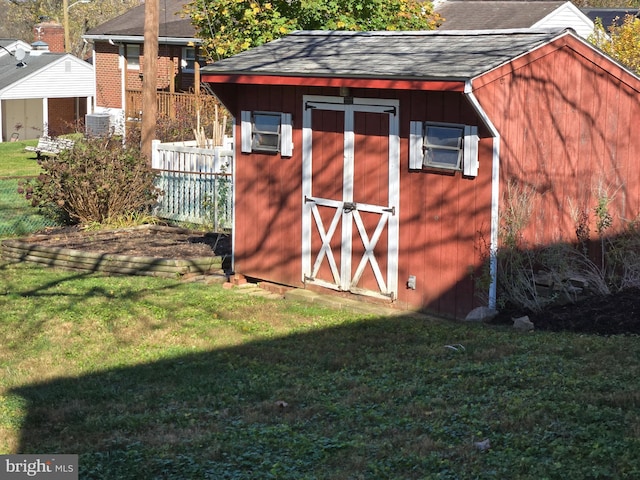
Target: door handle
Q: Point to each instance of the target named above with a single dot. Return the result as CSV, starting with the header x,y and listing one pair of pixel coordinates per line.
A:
x,y
349,206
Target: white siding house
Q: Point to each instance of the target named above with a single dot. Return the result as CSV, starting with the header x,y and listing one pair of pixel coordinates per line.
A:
x,y
512,14
43,92
567,15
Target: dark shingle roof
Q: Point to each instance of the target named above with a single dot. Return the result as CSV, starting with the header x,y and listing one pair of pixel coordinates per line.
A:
x,y
610,16
131,23
480,15
11,70
410,55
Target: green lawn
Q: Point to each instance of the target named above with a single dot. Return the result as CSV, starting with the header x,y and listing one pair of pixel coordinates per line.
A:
x,y
17,216
16,162
152,378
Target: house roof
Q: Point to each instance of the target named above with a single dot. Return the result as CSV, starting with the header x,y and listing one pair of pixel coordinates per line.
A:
x,y
10,45
13,71
130,25
480,15
45,74
610,16
423,55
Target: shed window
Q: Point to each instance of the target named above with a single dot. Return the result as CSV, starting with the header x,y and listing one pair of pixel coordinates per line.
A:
x,y
267,132
444,146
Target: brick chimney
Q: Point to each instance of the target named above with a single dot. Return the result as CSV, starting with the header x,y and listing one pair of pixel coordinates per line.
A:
x,y
50,32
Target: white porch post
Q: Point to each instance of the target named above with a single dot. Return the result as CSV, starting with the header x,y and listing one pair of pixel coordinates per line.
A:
x,y
45,116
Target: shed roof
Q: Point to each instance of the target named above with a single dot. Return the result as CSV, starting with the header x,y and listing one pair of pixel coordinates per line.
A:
x,y
131,24
437,55
479,15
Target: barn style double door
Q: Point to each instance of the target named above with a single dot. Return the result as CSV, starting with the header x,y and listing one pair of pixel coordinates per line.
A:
x,y
351,174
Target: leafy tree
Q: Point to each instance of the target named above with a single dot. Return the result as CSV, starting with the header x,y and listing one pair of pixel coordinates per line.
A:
x,y
231,26
621,41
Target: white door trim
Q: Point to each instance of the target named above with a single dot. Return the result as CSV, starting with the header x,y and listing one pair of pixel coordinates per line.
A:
x,y
388,214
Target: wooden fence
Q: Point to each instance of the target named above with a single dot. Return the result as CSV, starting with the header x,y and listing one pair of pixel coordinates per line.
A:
x,y
171,103
197,183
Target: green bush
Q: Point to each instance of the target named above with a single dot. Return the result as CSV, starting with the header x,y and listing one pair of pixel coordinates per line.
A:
x,y
97,181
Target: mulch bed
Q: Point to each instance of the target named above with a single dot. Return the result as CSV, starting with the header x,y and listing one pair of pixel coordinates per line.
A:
x,y
154,250
158,241
614,314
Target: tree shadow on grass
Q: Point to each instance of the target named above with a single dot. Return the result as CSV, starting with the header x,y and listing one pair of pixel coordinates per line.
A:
x,y
290,407
374,398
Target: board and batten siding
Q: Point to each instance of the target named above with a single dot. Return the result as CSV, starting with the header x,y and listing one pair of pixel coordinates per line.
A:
x,y
440,215
568,126
443,216
267,235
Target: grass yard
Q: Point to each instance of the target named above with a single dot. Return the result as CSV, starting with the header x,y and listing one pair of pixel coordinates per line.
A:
x,y
17,216
152,378
15,161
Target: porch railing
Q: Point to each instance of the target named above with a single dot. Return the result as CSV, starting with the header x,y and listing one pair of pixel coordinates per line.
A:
x,y
197,183
169,103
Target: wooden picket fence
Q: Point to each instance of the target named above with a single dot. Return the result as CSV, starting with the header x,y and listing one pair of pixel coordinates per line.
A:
x,y
197,183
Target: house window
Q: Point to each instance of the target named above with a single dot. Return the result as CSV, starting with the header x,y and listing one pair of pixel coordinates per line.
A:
x,y
132,53
189,59
444,146
267,132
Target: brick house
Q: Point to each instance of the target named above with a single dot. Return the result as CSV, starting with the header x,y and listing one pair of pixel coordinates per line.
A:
x,y
118,57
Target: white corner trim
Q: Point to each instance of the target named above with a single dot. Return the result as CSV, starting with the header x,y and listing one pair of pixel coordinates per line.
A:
x,y
495,194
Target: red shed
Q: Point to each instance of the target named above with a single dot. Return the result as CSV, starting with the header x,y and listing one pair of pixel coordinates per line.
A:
x,y
376,163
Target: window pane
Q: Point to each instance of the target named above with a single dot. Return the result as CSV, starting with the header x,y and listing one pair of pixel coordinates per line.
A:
x,y
189,59
444,136
266,123
133,55
440,157
266,141
190,53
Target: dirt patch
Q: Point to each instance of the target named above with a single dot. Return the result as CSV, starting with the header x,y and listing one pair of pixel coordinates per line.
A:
x,y
156,241
614,314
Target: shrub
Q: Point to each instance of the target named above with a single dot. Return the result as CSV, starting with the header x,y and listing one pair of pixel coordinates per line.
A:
x,y
533,277
98,180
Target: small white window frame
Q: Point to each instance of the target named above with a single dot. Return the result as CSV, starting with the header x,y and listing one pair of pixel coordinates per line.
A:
x,y
427,147
271,146
248,133
418,145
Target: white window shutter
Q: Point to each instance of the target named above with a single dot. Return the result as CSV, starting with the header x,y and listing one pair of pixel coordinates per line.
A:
x,y
286,135
470,160
416,154
246,132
